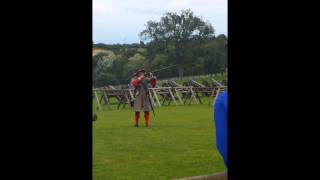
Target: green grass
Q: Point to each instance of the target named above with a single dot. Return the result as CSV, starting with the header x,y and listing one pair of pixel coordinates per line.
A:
x,y
180,143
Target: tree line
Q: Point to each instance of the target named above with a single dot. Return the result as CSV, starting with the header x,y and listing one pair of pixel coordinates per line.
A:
x,y
184,41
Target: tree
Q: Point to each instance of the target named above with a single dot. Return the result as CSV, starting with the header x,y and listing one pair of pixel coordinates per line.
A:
x,y
142,45
104,79
132,64
177,29
118,67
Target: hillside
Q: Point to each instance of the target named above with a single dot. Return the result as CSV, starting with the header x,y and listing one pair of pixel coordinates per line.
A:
x,y
96,51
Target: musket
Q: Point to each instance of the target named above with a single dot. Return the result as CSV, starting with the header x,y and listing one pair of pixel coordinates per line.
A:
x,y
163,68
147,89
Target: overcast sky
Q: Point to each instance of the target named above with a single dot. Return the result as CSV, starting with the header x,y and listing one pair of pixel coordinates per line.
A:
x,y
120,21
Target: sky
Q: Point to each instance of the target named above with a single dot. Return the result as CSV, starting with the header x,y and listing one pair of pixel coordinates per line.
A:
x,y
120,21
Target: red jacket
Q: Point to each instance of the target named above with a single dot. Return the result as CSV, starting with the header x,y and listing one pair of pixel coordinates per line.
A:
x,y
136,82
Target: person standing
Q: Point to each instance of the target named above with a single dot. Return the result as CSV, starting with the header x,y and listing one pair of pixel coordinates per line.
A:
x,y
142,101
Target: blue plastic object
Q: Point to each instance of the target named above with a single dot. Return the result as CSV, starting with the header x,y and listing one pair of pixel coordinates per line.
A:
x,y
221,124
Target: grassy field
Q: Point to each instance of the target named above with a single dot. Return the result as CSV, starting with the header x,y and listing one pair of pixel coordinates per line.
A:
x,y
179,143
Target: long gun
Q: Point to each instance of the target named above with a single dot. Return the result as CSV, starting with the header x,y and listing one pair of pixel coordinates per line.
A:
x,y
157,70
164,68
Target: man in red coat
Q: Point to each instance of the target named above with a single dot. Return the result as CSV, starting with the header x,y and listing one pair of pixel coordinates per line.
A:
x,y
141,101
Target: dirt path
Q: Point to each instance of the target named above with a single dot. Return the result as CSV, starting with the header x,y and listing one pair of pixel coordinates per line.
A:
x,y
216,176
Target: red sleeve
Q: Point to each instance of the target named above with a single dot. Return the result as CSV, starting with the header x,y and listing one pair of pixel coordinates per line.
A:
x,y
135,82
153,82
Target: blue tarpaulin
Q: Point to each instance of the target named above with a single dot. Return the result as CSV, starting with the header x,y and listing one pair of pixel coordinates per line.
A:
x,y
221,124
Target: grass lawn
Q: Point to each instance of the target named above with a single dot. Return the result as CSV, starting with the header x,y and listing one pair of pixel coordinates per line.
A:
x,y
179,143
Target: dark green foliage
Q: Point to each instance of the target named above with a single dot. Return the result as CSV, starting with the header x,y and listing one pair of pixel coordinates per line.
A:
x,y
182,39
